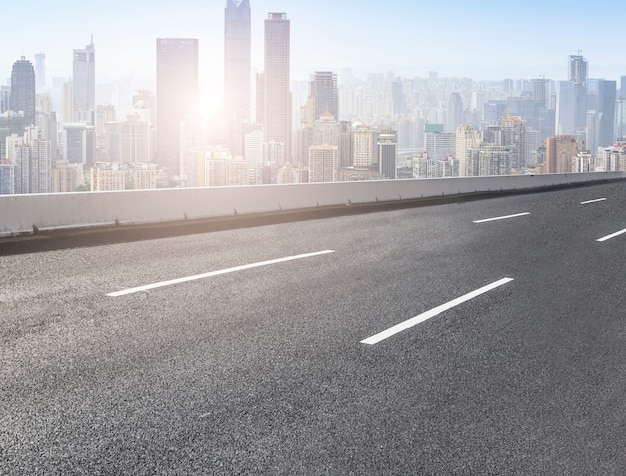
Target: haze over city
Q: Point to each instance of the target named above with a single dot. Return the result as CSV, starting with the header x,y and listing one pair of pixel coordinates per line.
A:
x,y
241,92
482,40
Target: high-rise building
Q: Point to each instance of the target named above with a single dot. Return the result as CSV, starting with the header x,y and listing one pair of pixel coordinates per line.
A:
x,y
489,159
613,158
620,118
362,147
493,110
323,94
193,137
104,113
23,90
129,141
237,71
237,59
560,154
577,74
398,98
387,146
5,98
84,84
177,96
40,71
538,89
591,137
322,163
32,163
439,145
107,177
607,96
565,121
514,137
466,138
7,178
67,177
454,116
79,143
67,102
325,130
276,82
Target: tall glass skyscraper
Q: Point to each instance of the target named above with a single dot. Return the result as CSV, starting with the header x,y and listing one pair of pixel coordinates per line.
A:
x,y
277,96
607,96
23,90
237,62
84,84
40,71
323,92
177,96
577,74
237,70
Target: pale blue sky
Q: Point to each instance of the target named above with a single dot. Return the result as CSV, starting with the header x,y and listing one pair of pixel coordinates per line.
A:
x,y
479,40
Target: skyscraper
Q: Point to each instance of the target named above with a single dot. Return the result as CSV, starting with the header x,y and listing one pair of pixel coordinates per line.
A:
x,y
560,153
84,84
177,96
577,72
578,75
32,163
565,121
514,137
237,59
454,114
607,96
277,96
388,154
23,90
323,93
237,69
40,71
466,138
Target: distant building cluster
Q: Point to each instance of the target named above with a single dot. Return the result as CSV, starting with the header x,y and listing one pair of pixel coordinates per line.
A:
x,y
67,135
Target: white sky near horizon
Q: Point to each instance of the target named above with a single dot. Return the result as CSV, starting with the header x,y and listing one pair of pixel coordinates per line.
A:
x,y
485,40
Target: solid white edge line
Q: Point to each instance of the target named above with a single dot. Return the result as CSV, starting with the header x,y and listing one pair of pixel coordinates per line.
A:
x,y
502,218
612,235
375,339
216,273
593,201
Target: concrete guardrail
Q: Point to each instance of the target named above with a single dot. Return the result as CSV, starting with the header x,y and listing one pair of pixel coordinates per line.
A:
x,y
24,214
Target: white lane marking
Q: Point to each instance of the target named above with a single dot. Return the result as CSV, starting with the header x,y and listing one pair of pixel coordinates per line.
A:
x,y
375,339
216,273
613,235
593,201
502,218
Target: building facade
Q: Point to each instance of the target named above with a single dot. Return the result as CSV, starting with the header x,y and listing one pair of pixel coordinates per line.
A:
x,y
23,90
237,60
237,71
84,84
276,83
323,94
387,146
177,96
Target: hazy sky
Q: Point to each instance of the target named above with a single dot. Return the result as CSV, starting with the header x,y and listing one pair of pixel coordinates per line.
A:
x,y
484,39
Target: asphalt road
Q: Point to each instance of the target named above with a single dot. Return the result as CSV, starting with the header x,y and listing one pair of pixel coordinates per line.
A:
x,y
246,351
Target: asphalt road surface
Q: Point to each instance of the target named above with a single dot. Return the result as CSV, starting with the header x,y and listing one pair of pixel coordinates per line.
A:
x,y
483,337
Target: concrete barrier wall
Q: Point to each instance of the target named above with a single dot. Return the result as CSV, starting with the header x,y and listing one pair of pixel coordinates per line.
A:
x,y
19,214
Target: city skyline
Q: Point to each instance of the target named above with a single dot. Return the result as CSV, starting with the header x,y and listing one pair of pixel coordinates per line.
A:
x,y
481,41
